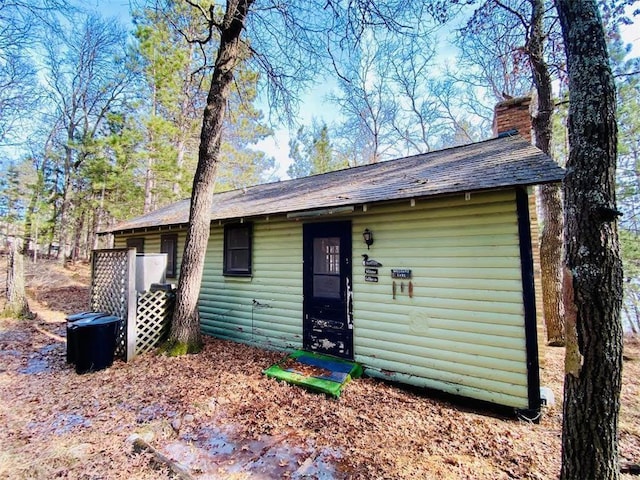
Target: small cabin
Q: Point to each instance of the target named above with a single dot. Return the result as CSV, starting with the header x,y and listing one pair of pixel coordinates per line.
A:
x,y
419,268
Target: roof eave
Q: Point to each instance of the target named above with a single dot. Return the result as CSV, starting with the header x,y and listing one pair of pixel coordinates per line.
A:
x,y
333,208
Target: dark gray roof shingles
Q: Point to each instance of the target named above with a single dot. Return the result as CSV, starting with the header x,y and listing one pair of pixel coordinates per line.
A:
x,y
495,163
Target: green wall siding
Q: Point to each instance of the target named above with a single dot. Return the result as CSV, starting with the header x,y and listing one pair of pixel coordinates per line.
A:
x,y
463,330
227,307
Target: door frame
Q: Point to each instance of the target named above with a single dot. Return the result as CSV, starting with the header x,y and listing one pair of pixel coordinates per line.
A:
x,y
343,230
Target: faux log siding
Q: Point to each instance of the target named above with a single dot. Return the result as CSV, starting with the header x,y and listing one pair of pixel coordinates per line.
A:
x,y
152,244
151,241
463,330
227,308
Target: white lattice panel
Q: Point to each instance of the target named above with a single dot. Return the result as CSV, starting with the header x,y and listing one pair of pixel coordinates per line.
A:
x,y
146,316
153,319
110,280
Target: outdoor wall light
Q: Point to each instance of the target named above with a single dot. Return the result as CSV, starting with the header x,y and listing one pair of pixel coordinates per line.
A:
x,y
367,235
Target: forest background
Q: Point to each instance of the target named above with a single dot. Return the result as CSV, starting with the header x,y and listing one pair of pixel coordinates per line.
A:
x,y
101,106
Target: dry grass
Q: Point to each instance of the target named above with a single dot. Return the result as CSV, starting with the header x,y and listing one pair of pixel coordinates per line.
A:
x,y
216,408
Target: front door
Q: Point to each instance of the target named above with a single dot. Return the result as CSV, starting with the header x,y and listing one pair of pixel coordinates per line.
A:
x,y
328,319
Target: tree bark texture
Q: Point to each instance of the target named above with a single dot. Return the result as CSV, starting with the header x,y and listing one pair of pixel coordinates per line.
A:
x,y
185,328
16,293
549,195
551,263
65,214
148,187
593,269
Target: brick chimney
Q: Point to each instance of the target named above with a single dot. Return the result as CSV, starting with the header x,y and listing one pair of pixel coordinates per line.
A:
x,y
510,115
513,114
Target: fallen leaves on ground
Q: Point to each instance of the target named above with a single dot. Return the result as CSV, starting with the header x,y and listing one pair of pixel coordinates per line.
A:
x,y
303,369
55,423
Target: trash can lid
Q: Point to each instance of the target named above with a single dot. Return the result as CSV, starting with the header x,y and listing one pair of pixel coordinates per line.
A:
x,y
82,315
82,322
93,321
104,320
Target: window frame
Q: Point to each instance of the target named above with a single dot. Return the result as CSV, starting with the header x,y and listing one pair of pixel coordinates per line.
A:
x,y
172,256
247,270
133,242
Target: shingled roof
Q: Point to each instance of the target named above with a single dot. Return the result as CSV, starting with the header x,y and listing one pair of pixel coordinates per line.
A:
x,y
491,164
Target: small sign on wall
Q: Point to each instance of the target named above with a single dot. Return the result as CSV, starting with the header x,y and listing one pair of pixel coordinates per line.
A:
x,y
370,278
371,271
400,273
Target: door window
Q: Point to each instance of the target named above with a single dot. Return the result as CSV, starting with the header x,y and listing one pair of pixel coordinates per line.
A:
x,y
326,267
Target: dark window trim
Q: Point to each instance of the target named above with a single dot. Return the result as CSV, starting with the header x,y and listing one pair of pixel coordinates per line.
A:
x,y
244,272
172,263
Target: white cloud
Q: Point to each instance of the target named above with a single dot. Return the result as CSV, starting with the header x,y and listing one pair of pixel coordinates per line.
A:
x,y
277,146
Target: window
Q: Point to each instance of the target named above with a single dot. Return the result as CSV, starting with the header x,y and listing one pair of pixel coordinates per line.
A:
x,y
326,267
169,245
137,242
237,249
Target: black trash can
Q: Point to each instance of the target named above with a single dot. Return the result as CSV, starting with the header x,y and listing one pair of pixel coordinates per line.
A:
x,y
71,340
95,343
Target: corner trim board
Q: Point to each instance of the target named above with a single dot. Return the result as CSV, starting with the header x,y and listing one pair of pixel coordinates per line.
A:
x,y
529,299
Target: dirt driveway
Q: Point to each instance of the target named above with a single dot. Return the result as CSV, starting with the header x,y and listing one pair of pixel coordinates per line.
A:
x,y
218,416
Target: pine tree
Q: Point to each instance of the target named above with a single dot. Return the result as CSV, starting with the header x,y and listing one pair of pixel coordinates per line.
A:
x,y
312,152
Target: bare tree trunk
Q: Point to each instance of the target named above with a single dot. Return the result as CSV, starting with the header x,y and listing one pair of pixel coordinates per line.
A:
x,y
593,268
29,227
183,129
34,251
16,294
550,197
149,182
551,263
631,312
185,334
63,232
77,238
86,238
96,226
181,147
148,187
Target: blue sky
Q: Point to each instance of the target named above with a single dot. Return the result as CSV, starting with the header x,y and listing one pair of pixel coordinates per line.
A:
x,y
314,104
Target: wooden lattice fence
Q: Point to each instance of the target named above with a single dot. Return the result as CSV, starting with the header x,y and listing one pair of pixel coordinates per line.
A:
x,y
153,319
113,291
145,316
